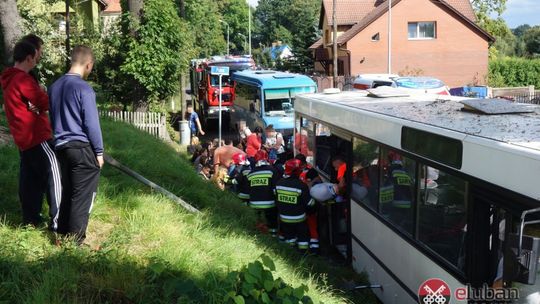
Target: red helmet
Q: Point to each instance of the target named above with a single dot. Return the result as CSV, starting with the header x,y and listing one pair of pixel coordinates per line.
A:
x,y
239,158
293,167
261,155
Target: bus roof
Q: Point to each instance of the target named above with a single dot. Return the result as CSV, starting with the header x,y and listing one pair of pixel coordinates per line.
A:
x,y
273,79
501,149
445,112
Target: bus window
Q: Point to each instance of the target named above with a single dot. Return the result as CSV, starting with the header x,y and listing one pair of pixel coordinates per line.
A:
x,y
396,192
245,96
442,214
365,184
303,141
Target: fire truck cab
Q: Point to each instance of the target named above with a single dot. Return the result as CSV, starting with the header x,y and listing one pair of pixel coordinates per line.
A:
x,y
205,87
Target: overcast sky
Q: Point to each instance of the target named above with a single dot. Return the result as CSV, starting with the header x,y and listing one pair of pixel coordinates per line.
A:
x,y
517,12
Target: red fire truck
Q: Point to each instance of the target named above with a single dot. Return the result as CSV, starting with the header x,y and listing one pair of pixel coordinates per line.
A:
x,y
205,87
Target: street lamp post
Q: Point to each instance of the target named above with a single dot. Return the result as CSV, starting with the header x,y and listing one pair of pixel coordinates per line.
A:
x,y
245,40
227,34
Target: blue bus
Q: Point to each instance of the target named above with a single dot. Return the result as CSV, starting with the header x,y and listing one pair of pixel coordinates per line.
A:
x,y
267,98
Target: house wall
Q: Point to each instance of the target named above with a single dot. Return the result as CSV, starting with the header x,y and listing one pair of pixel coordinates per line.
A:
x,y
328,31
458,56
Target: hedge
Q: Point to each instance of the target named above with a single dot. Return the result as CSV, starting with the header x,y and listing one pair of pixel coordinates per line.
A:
x,y
514,72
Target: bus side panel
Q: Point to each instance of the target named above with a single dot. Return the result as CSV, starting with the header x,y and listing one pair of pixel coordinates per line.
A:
x,y
404,261
391,292
501,159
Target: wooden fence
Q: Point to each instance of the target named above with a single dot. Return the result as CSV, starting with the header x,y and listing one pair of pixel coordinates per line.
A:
x,y
150,122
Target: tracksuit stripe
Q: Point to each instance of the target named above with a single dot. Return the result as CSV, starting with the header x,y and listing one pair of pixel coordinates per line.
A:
x,y
55,169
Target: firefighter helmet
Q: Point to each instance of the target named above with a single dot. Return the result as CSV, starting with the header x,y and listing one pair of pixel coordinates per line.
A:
x,y
293,167
261,155
239,158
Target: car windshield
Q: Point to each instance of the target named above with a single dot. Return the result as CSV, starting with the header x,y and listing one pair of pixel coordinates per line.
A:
x,y
419,83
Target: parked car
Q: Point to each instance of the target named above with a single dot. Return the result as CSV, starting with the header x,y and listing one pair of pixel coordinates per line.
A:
x,y
369,81
406,84
422,84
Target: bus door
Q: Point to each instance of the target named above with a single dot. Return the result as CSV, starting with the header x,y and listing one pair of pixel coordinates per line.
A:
x,y
333,160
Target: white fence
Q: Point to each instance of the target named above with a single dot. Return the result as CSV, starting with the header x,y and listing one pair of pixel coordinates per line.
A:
x,y
149,122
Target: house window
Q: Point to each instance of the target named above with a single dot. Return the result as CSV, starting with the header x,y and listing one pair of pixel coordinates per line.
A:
x,y
376,37
422,30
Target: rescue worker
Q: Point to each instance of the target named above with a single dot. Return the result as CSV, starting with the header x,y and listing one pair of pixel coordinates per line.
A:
x,y
309,176
239,177
262,182
293,200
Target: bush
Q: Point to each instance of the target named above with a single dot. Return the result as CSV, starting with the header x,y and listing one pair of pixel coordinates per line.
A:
x,y
514,72
255,283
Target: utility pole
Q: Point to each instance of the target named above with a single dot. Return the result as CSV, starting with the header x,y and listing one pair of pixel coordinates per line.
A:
x,y
334,25
389,36
249,27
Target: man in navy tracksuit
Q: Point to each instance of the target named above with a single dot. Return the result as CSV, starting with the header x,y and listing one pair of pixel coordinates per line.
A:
x,y
293,200
78,142
262,182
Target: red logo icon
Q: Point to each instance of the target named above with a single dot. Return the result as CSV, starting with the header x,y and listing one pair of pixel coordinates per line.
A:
x,y
434,291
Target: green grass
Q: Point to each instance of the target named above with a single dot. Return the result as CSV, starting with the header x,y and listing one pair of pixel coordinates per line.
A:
x,y
150,249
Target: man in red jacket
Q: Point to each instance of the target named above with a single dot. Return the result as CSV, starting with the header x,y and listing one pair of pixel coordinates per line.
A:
x,y
26,106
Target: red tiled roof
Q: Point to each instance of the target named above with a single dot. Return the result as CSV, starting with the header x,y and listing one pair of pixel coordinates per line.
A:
x,y
381,9
349,12
464,7
317,44
113,6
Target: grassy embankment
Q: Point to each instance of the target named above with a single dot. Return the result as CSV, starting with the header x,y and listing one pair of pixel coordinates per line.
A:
x,y
151,250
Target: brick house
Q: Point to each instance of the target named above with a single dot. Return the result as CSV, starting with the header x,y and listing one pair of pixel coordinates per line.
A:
x,y
436,38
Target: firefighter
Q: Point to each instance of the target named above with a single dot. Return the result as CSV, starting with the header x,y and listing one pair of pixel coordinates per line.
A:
x,y
239,177
262,181
293,200
309,176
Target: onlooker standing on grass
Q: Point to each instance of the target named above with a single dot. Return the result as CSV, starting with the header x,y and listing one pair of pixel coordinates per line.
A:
x,y
26,106
194,121
78,142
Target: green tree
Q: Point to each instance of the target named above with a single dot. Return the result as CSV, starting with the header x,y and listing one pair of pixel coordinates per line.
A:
x,y
235,13
294,22
9,25
158,52
497,27
204,25
531,38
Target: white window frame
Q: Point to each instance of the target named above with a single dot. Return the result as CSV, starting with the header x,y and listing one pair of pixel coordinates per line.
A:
x,y
418,23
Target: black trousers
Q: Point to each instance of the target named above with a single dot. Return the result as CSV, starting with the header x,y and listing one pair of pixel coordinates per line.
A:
x,y
39,174
296,233
80,176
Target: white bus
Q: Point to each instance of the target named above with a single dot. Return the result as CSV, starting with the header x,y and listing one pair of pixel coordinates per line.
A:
x,y
446,193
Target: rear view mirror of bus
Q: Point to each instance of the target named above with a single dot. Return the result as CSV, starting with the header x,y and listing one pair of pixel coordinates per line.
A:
x,y
526,264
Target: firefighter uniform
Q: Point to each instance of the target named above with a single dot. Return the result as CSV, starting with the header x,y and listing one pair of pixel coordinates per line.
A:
x,y
242,183
262,181
307,175
293,200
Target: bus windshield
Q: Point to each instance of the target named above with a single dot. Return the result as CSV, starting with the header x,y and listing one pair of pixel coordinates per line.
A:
x,y
281,101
